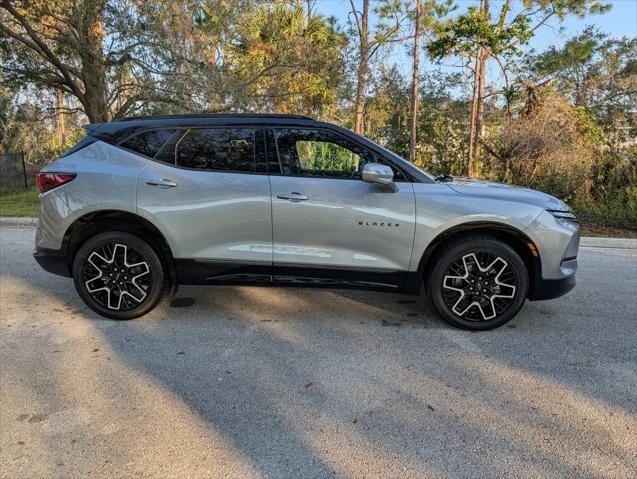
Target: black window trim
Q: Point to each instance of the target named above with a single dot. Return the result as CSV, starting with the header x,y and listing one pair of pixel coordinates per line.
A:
x,y
177,135
373,153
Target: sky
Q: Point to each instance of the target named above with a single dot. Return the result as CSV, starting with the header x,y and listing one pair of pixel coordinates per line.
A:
x,y
620,21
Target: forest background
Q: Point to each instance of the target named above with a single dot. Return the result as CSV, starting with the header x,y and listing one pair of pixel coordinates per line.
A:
x,y
540,93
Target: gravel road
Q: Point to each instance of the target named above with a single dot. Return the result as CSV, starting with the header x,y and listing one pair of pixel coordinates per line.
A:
x,y
299,383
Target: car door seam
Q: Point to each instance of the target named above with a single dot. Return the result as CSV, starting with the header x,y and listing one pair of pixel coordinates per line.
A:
x,y
415,222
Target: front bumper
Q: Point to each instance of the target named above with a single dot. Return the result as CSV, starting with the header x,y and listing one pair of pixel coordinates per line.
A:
x,y
551,288
52,261
557,242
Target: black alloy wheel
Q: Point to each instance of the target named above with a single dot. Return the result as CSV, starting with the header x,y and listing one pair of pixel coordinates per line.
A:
x,y
118,275
478,283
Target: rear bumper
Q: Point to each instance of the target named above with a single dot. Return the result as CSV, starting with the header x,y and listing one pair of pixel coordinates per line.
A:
x,y
52,261
552,288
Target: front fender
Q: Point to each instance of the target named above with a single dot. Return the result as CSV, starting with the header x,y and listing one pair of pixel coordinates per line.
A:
x,y
440,209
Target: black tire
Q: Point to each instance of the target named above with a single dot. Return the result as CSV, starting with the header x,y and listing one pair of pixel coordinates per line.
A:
x,y
126,286
473,298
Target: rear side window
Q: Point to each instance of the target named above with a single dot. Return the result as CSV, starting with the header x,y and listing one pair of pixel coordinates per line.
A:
x,y
223,149
148,143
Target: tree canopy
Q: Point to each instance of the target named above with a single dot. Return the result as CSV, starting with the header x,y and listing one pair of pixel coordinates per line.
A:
x,y
563,119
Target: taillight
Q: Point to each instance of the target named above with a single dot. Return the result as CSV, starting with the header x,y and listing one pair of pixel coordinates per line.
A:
x,y
48,181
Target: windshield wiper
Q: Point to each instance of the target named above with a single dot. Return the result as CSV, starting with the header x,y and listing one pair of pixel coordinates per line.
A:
x,y
444,178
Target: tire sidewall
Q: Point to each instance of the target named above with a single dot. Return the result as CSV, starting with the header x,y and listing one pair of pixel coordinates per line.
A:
x,y
472,245
150,255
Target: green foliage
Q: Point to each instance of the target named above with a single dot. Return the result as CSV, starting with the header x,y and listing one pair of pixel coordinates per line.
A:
x,y
441,121
609,197
560,149
97,51
475,29
27,128
585,124
597,73
386,111
285,61
502,36
574,53
612,212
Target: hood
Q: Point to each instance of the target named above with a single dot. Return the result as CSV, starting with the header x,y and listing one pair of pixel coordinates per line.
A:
x,y
501,191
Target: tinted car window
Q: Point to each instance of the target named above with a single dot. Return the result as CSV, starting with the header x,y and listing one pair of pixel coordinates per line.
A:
x,y
148,142
318,153
326,157
226,149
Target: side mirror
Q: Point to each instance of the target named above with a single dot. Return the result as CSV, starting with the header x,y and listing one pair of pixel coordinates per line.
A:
x,y
379,174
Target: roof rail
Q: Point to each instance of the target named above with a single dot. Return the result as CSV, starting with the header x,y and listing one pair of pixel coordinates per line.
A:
x,y
212,115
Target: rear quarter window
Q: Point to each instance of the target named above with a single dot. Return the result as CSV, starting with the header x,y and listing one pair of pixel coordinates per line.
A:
x,y
148,143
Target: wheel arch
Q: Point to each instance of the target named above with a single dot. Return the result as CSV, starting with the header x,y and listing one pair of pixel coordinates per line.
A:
x,y
515,238
96,222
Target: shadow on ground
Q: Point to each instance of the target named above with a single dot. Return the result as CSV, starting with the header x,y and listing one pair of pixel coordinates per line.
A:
x,y
312,383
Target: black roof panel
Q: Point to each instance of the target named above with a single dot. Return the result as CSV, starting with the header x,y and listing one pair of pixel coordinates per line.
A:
x,y
213,115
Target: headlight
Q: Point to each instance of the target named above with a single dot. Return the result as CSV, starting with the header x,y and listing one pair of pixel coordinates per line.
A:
x,y
564,216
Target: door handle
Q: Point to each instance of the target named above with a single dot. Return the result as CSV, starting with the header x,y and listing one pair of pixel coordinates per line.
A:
x,y
292,196
162,183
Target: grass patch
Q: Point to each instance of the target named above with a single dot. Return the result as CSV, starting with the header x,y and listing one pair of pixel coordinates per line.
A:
x,y
19,203
607,231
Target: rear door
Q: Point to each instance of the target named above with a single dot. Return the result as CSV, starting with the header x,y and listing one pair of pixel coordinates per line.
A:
x,y
328,224
203,193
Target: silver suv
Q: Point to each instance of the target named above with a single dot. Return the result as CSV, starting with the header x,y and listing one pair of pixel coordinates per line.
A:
x,y
142,205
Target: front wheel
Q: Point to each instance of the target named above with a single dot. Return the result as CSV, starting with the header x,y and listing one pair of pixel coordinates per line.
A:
x,y
478,283
118,275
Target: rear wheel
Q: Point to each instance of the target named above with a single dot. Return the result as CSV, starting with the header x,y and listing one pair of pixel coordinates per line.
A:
x,y
118,275
478,283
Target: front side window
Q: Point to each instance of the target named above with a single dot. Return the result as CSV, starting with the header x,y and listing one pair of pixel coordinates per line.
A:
x,y
317,153
224,149
148,143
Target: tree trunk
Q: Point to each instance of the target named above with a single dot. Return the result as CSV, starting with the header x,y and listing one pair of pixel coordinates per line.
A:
x,y
473,117
362,69
481,92
415,84
477,99
60,121
93,71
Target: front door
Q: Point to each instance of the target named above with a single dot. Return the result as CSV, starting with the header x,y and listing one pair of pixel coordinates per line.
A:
x,y
203,193
328,224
